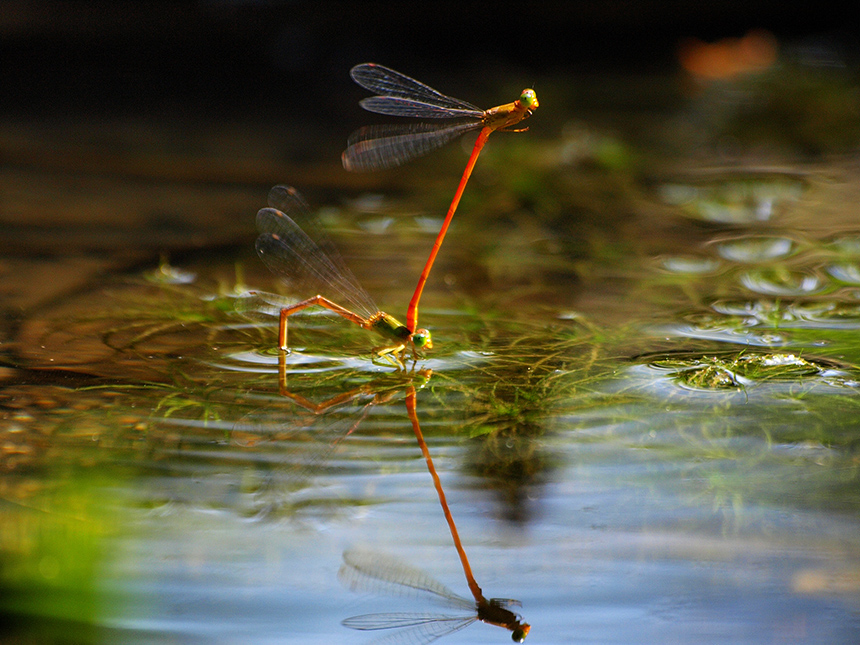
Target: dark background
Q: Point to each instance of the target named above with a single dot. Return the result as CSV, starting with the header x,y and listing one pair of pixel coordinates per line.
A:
x,y
263,60
159,126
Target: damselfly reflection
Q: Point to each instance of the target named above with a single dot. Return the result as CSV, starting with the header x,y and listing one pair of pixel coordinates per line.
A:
x,y
293,443
379,573
366,571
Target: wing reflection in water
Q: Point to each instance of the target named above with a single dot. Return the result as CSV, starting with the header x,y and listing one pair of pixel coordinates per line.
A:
x,y
298,441
366,571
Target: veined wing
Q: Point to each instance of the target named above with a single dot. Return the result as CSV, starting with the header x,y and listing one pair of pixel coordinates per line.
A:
x,y
413,629
377,147
395,106
384,81
367,571
301,261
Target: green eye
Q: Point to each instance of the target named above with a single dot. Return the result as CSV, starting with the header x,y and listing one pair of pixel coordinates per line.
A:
x,y
529,99
421,338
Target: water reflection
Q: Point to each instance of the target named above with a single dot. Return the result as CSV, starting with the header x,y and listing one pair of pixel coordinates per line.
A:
x,y
305,435
366,571
846,245
743,370
739,199
779,281
689,265
755,248
772,289
656,503
380,573
846,272
303,438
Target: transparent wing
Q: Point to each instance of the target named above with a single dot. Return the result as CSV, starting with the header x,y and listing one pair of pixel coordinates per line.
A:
x,y
367,571
506,603
414,629
395,106
377,147
308,266
388,82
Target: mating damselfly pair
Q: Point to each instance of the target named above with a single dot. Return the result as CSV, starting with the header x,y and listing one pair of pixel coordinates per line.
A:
x,y
309,262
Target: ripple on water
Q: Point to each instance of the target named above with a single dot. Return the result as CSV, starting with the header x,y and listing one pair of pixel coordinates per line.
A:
x,y
734,198
263,361
828,314
255,360
755,312
689,264
723,332
845,272
754,249
780,281
742,370
845,245
811,314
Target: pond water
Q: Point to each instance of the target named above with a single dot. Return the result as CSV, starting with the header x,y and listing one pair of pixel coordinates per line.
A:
x,y
642,403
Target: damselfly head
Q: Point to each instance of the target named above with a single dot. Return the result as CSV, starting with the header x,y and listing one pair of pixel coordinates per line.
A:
x,y
529,100
421,339
520,633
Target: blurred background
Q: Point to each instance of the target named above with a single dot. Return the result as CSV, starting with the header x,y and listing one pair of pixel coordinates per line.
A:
x,y
249,60
255,93
287,62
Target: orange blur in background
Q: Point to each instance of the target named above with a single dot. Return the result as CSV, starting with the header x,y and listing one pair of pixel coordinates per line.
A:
x,y
729,57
